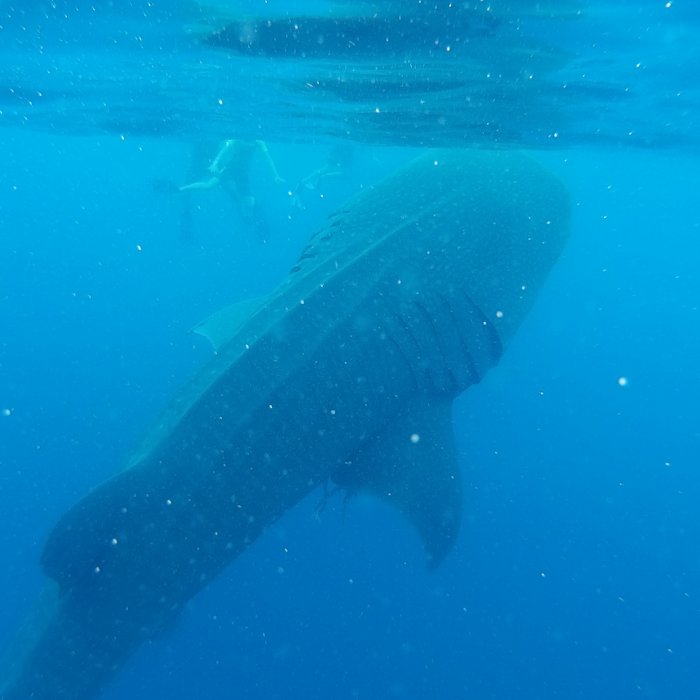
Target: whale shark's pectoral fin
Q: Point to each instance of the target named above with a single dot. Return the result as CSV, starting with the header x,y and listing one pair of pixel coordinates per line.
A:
x,y
413,465
223,324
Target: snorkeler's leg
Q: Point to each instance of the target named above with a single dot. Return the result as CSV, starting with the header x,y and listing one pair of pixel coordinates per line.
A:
x,y
207,184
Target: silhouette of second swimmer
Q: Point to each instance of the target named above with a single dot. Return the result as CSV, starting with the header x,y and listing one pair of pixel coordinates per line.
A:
x,y
230,169
336,164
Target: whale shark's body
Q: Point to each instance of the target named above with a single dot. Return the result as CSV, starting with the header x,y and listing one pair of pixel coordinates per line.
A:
x,y
346,372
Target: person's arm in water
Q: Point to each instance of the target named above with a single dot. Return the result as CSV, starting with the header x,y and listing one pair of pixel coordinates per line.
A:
x,y
270,163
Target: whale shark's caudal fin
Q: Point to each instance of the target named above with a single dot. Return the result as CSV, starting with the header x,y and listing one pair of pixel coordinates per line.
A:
x,y
412,464
32,628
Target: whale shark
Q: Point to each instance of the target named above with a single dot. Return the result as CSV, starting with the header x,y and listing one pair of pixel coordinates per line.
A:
x,y
345,373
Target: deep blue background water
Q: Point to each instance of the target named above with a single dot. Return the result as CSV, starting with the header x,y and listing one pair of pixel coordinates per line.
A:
x,y
577,571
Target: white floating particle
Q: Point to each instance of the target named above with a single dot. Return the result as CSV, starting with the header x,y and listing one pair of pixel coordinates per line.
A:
x,y
6,412
499,314
415,438
622,381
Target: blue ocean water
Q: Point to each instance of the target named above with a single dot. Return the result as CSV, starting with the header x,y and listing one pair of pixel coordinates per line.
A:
x,y
576,572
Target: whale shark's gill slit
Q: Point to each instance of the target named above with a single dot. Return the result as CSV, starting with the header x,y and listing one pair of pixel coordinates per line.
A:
x,y
487,331
402,355
442,372
467,352
473,327
400,326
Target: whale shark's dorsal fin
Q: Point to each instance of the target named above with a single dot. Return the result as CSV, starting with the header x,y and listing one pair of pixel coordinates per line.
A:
x,y
223,324
413,465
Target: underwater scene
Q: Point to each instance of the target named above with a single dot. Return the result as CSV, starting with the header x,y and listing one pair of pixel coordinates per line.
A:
x,y
349,349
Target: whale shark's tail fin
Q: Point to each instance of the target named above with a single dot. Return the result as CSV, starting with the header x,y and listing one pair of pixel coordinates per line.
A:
x,y
33,627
